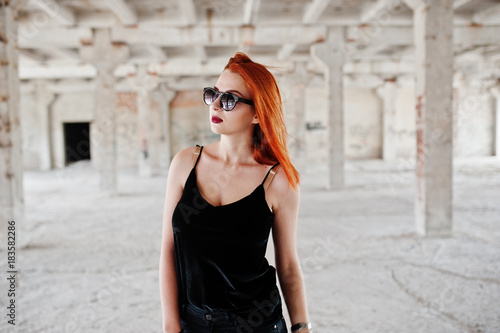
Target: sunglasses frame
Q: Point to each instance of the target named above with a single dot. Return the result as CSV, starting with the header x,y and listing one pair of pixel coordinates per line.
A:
x,y
219,93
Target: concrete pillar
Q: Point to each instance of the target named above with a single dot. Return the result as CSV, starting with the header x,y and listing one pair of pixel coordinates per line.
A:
x,y
148,141
105,56
458,87
433,30
297,108
44,98
389,140
154,139
330,55
496,120
165,96
11,167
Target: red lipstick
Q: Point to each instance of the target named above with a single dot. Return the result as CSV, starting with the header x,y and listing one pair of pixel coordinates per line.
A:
x,y
216,120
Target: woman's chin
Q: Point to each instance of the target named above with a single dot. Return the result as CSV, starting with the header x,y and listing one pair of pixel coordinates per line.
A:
x,y
215,129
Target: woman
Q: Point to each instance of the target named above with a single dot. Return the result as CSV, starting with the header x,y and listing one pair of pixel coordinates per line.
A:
x,y
221,202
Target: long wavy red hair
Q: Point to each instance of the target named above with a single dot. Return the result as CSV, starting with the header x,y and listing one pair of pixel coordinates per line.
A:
x,y
270,135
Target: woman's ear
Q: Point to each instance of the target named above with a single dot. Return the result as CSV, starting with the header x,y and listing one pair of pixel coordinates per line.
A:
x,y
255,120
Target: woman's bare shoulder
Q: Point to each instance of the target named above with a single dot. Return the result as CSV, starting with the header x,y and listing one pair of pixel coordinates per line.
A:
x,y
282,183
281,192
182,163
184,156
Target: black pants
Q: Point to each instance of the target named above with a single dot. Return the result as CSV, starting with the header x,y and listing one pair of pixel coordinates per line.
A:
x,y
196,320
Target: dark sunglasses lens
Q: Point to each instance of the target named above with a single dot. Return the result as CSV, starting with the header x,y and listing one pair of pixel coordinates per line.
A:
x,y
228,102
209,96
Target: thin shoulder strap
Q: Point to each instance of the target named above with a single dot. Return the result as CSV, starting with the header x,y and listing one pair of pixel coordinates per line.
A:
x,y
270,175
196,155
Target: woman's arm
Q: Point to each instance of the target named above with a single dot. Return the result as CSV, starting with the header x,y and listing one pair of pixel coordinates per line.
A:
x,y
286,208
177,175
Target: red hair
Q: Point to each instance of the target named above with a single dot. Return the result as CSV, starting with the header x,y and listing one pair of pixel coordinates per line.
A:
x,y
269,137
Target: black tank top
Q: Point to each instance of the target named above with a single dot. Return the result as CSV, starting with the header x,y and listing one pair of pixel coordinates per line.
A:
x,y
220,250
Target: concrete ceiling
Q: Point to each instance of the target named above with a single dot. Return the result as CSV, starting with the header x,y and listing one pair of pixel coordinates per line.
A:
x,y
196,37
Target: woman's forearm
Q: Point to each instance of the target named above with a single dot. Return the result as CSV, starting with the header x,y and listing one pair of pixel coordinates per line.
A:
x,y
294,293
168,292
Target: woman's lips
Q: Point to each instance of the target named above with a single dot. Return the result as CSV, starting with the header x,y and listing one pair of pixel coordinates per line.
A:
x,y
216,120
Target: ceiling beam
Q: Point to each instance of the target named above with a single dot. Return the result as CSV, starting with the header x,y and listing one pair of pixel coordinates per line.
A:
x,y
412,4
201,52
32,55
53,37
233,36
380,67
188,83
457,4
125,13
489,14
375,9
406,54
186,67
188,11
482,35
157,52
314,11
61,52
55,10
251,10
57,72
493,57
286,51
462,35
370,50
226,36
492,54
66,86
469,51
83,19
364,35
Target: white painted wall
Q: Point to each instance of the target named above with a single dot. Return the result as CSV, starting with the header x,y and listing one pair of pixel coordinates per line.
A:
x,y
405,122
190,121
362,124
29,131
316,119
474,119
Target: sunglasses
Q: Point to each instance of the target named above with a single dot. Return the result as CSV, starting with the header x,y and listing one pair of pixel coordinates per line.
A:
x,y
227,101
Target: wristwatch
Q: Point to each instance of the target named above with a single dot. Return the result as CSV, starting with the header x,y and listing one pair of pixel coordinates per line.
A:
x,y
299,326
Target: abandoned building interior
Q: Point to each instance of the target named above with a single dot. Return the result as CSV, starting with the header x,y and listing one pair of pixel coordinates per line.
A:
x,y
99,95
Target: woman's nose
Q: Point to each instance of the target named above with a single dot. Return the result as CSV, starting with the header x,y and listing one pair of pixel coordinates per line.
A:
x,y
217,104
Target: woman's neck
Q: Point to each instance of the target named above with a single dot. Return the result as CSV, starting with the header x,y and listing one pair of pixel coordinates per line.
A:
x,y
234,150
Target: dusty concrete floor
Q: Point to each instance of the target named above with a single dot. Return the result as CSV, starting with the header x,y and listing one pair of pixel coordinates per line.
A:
x,y
90,261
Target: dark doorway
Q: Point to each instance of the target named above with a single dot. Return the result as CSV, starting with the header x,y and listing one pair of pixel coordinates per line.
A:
x,y
76,142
